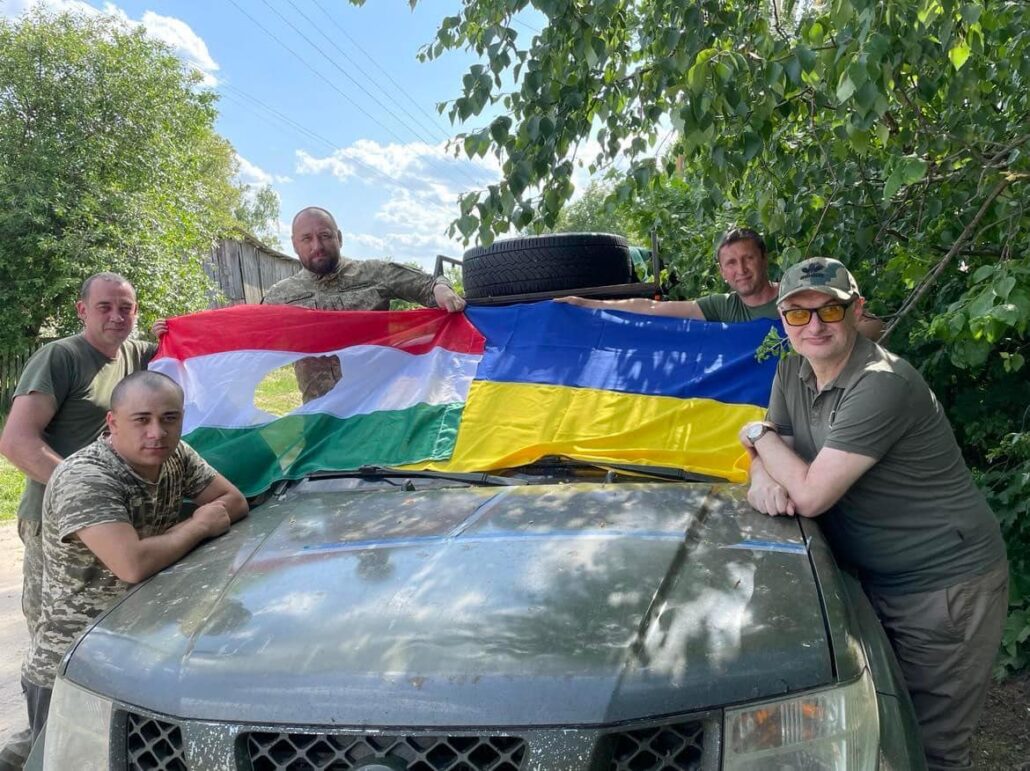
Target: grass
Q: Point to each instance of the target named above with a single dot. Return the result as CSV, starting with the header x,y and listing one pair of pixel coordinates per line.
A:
x,y
277,394
11,482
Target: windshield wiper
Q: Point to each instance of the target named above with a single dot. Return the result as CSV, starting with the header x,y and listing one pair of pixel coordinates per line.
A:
x,y
669,473
386,472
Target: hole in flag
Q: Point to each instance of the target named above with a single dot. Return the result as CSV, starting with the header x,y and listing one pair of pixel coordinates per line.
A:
x,y
278,393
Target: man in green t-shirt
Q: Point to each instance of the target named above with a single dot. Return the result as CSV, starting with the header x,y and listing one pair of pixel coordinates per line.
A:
x,y
59,407
855,437
744,265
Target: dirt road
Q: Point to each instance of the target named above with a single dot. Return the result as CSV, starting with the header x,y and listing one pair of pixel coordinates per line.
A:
x,y
13,637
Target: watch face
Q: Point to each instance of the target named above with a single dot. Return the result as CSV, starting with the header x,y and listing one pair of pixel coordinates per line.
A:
x,y
755,432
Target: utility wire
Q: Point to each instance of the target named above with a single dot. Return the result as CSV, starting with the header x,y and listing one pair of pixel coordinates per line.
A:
x,y
332,85
432,118
244,99
468,177
342,71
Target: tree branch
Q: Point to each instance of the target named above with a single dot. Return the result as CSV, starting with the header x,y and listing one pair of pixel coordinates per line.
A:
x,y
933,275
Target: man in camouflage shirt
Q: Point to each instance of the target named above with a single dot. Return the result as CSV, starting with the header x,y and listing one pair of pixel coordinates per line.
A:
x,y
59,406
112,517
856,437
330,282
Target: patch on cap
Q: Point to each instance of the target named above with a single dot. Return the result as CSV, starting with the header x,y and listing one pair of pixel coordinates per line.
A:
x,y
819,274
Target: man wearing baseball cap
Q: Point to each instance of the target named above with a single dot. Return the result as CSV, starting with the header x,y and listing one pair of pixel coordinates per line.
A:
x,y
856,437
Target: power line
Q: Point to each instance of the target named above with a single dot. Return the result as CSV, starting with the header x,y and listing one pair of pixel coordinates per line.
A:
x,y
238,96
468,177
342,71
432,118
332,85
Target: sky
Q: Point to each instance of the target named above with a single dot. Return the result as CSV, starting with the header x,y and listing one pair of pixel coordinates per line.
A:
x,y
328,103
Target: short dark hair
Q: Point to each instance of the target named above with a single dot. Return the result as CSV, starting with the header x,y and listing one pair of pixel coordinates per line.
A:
x,y
114,278
153,381
734,235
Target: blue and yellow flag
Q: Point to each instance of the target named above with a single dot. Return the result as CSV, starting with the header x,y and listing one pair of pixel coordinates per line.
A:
x,y
615,387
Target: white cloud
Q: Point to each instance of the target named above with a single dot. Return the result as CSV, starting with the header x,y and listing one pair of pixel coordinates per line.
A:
x,y
421,184
175,33
252,174
184,42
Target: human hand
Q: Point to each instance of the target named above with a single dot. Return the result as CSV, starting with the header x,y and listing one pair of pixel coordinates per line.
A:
x,y
570,300
159,328
742,435
212,518
448,299
769,497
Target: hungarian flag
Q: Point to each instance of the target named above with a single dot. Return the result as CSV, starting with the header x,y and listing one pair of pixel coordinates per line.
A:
x,y
404,379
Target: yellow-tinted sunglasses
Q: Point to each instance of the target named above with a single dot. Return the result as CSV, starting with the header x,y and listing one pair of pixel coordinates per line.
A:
x,y
828,314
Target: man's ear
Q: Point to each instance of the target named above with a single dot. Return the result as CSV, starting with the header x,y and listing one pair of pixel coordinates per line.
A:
x,y
80,309
112,424
858,307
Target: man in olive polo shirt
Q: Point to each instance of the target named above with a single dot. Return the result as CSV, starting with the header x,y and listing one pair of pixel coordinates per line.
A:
x,y
856,437
743,264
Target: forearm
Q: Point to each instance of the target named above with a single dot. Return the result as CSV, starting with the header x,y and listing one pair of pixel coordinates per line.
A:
x,y
236,505
30,455
150,555
779,463
632,305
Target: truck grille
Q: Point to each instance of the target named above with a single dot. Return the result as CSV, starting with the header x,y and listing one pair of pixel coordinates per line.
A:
x,y
152,745
672,747
302,751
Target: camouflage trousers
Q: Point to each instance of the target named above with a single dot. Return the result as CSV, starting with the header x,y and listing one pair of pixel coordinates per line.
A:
x,y
31,534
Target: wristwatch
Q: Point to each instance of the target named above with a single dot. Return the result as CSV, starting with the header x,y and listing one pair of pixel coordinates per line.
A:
x,y
756,431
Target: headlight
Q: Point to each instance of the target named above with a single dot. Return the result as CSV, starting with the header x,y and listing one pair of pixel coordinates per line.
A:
x,y
78,730
833,729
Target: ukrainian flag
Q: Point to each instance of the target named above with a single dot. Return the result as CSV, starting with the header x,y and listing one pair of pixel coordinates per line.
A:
x,y
608,386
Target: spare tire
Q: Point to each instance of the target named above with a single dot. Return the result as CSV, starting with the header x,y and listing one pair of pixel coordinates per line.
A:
x,y
551,263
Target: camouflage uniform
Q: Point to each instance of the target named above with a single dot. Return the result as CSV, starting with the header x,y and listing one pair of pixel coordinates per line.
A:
x,y
356,285
80,379
92,487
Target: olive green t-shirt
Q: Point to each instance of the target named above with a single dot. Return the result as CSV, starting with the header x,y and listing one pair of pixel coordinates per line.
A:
x,y
80,378
915,521
730,308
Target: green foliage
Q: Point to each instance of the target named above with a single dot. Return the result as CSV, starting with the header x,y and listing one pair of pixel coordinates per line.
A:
x,y
11,483
278,392
1008,481
892,135
258,213
596,212
108,161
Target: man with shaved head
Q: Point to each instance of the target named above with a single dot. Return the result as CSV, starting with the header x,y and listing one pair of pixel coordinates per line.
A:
x,y
59,406
112,516
330,282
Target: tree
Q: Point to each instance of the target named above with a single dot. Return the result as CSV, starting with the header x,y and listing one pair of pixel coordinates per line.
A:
x,y
108,161
258,213
893,135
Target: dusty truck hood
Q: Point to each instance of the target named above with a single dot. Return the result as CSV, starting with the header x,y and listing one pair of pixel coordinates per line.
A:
x,y
536,605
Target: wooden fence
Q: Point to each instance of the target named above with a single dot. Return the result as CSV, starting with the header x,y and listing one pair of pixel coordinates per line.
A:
x,y
245,269
11,365
242,267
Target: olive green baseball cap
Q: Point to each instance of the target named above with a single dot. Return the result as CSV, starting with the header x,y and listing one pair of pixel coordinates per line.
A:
x,y
819,274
